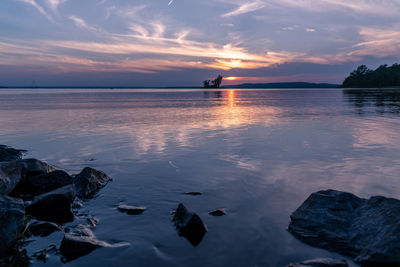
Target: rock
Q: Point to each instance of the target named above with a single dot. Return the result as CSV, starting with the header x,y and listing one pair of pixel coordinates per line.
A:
x,y
327,262
34,167
12,219
365,229
54,206
218,212
8,153
81,241
28,168
89,181
43,229
193,193
10,176
43,183
132,210
189,225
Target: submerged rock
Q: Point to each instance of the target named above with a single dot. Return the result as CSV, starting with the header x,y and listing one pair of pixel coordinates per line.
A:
x,y
43,183
194,193
366,230
189,225
89,181
327,262
54,206
43,229
218,212
8,153
131,210
81,241
12,218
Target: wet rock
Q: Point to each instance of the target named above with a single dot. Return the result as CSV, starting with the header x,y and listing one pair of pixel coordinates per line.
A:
x,y
44,183
327,262
10,176
26,169
365,229
34,167
218,212
193,193
12,216
189,225
132,210
8,153
42,229
54,206
89,181
81,241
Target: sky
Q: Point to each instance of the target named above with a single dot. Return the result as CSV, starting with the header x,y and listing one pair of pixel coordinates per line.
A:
x,y
183,42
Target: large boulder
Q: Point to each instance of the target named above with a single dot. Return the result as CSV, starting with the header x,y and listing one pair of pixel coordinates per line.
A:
x,y
325,262
10,176
28,168
89,181
81,241
54,206
365,229
189,225
37,185
8,153
12,217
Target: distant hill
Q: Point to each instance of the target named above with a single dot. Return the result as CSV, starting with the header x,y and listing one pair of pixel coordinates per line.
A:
x,y
283,85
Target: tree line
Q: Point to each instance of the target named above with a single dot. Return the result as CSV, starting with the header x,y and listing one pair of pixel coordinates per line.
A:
x,y
383,76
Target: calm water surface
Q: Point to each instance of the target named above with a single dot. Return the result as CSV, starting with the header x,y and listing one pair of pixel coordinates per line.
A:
x,y
256,153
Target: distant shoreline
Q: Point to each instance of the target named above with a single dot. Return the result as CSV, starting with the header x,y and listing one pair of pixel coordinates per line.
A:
x,y
289,85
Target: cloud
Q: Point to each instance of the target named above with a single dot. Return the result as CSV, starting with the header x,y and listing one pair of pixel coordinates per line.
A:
x,y
244,8
53,4
37,6
80,23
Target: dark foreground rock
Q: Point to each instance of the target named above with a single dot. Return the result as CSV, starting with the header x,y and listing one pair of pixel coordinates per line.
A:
x,y
89,181
54,206
42,229
327,262
43,183
10,176
218,212
81,241
365,229
33,167
189,225
131,210
12,216
8,153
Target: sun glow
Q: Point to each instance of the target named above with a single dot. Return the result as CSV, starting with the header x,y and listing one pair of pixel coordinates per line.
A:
x,y
231,78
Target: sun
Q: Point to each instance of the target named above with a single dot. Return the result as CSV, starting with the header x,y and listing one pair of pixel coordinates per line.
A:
x,y
231,78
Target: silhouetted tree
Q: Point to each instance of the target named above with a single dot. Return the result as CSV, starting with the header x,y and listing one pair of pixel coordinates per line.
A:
x,y
216,83
383,76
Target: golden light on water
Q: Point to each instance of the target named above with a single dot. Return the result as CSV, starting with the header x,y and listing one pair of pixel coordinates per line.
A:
x,y
231,98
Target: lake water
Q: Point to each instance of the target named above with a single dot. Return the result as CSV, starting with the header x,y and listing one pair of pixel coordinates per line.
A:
x,y
256,153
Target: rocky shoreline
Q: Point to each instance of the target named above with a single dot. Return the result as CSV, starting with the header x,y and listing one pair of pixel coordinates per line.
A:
x,y
37,200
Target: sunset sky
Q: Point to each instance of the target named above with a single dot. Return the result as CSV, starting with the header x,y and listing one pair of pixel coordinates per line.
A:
x,y
182,42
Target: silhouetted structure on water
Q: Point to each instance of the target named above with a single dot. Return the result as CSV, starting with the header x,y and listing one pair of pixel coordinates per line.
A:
x,y
383,76
216,83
